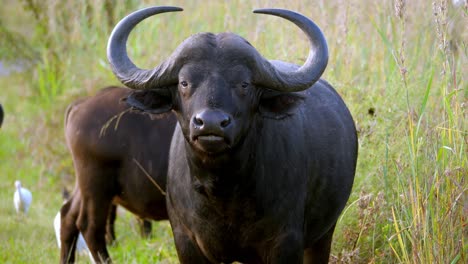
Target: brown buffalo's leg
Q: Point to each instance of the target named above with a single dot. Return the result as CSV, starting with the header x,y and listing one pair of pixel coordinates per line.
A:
x,y
145,227
110,227
320,251
97,190
92,224
68,229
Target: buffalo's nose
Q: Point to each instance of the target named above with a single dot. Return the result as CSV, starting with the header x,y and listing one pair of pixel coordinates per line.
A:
x,y
211,121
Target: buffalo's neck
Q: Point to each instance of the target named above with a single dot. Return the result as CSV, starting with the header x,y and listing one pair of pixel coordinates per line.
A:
x,y
221,175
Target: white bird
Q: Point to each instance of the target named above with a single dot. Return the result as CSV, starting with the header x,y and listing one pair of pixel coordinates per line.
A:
x,y
458,3
22,198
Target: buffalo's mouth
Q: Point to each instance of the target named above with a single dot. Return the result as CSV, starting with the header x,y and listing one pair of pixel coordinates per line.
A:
x,y
211,143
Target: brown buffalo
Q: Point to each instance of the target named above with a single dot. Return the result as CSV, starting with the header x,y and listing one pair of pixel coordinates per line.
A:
x,y
120,158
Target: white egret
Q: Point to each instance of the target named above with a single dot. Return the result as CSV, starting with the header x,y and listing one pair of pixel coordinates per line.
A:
x,y
22,198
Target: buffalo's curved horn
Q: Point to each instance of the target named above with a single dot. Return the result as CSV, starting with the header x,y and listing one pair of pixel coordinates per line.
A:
x,y
122,66
290,80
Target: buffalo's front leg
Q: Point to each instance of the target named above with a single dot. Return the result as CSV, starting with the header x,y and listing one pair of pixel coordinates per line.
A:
x,y
287,248
319,252
187,251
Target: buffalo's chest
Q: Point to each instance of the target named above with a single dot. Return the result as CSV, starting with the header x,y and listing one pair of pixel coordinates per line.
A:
x,y
225,244
230,232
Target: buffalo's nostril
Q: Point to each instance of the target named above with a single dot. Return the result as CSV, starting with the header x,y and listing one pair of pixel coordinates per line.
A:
x,y
226,121
198,120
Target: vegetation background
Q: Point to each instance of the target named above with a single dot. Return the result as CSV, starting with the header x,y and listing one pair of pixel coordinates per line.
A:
x,y
401,67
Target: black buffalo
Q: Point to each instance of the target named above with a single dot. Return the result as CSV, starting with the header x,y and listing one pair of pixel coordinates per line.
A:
x,y
263,157
1,115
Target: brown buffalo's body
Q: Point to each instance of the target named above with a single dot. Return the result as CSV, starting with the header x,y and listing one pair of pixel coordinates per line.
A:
x,y
115,151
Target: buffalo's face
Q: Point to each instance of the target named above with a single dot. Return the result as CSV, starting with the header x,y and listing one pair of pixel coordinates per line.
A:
x,y
215,105
215,94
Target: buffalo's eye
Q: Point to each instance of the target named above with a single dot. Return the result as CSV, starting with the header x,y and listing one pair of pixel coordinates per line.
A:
x,y
242,88
184,83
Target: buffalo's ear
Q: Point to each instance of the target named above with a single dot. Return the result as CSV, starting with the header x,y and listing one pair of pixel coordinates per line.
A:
x,y
154,101
278,105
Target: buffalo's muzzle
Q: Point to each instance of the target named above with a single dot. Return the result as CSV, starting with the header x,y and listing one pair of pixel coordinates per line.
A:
x,y
210,130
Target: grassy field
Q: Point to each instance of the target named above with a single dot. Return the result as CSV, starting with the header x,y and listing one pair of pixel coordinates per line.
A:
x,y
401,67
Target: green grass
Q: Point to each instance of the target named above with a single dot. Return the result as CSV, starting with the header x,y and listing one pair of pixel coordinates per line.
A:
x,y
403,80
